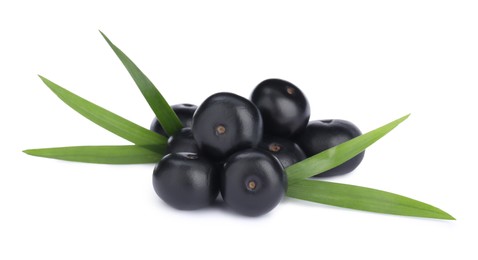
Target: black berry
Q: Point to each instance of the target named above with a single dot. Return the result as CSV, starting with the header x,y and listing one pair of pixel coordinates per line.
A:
x,y
182,142
286,151
253,182
284,108
185,114
185,181
321,135
225,123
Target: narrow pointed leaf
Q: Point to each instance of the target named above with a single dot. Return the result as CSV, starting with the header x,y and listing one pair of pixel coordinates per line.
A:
x,y
126,154
339,154
163,111
361,198
106,119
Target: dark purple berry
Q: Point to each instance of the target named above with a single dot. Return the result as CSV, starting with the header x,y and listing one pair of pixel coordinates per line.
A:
x,y
185,114
253,182
182,142
186,181
284,108
286,151
321,135
226,123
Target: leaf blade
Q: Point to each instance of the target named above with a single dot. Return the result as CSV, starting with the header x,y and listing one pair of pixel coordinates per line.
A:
x,y
119,154
339,154
163,111
362,198
106,119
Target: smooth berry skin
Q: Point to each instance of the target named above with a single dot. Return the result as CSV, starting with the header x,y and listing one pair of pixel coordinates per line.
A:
x,y
321,135
286,151
182,142
253,182
284,108
226,123
185,114
186,181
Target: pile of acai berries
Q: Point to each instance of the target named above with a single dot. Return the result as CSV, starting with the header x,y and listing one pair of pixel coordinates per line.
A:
x,y
240,148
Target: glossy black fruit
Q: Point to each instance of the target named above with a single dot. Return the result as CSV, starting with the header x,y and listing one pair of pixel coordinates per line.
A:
x,y
225,123
185,113
182,142
284,108
321,135
185,181
286,151
253,182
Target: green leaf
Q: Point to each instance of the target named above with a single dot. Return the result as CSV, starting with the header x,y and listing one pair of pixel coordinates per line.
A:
x,y
163,111
108,120
339,154
361,198
126,154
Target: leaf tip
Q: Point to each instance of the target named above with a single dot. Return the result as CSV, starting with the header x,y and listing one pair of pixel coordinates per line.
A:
x,y
106,38
29,151
45,80
403,118
447,216
441,214
102,34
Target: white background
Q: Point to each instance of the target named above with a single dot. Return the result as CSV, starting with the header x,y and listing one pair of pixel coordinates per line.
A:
x,y
366,61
